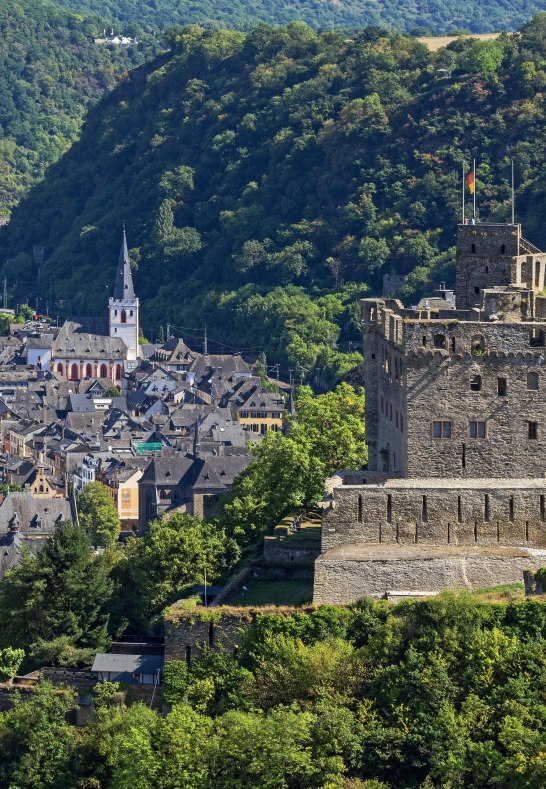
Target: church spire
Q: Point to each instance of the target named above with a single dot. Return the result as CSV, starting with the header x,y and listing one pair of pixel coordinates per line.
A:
x,y
123,289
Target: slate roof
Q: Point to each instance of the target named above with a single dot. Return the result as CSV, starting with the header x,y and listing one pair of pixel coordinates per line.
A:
x,y
70,344
123,287
33,514
127,665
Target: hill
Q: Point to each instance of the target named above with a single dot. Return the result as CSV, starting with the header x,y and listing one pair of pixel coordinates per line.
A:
x,y
436,16
50,70
269,179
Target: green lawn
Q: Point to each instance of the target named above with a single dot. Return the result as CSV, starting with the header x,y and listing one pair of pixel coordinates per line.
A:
x,y
273,593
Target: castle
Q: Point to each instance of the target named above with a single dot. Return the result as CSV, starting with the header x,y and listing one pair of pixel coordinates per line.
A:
x,y
455,489
80,351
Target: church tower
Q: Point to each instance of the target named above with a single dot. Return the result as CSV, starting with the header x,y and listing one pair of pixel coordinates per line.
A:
x,y
124,306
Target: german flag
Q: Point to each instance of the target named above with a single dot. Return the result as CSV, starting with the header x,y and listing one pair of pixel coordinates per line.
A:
x,y
470,181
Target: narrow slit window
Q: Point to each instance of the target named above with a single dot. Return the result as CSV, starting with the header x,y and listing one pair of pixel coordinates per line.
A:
x,y
532,382
502,387
459,510
360,509
511,509
389,509
532,431
542,509
424,514
486,508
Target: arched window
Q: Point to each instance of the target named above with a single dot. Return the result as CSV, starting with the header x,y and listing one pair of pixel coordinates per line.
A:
x,y
88,371
103,371
131,313
41,488
123,316
440,341
118,372
60,368
74,372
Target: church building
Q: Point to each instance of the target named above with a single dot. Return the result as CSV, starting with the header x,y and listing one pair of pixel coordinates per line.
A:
x,y
82,351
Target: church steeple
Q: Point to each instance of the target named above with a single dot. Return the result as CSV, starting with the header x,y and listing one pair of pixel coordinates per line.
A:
x,y
123,289
124,306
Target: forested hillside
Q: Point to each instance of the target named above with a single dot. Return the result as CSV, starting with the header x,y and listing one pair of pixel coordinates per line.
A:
x,y
437,16
267,180
50,70
447,692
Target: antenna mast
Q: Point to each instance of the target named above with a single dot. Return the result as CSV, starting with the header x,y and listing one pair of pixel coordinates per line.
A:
x,y
463,190
474,189
513,197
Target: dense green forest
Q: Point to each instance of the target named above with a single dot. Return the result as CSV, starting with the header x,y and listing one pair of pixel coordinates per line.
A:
x,y
50,70
268,179
447,692
436,16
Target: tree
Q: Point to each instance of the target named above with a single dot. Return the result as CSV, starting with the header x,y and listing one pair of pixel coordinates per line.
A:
x,y
98,514
25,312
171,555
283,475
37,744
333,424
60,593
10,661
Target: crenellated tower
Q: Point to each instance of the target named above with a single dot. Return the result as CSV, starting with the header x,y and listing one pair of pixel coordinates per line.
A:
x,y
124,305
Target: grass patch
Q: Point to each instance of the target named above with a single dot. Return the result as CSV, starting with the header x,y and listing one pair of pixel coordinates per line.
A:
x,y
273,593
501,594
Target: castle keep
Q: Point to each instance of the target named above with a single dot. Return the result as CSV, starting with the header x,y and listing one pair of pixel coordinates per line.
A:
x,y
454,494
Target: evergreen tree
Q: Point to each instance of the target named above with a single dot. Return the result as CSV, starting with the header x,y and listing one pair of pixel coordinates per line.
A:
x,y
60,593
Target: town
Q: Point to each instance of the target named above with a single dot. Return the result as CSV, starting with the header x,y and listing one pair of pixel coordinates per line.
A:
x,y
163,427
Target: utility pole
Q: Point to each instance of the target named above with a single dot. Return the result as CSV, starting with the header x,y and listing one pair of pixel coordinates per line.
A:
x,y
205,343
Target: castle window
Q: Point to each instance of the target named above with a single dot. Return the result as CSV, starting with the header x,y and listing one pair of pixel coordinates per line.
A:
x,y
424,340
477,345
123,316
440,341
477,429
486,508
511,509
424,513
475,383
476,290
542,509
131,313
503,249
473,247
453,346
441,428
360,509
536,338
487,269
401,423
459,509
532,431
501,387
88,371
389,509
532,382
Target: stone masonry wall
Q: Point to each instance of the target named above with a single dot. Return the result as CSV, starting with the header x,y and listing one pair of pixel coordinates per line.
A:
x,y
437,513
344,581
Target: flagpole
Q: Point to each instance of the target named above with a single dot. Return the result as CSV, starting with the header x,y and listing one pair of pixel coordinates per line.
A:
x,y
463,192
474,189
513,197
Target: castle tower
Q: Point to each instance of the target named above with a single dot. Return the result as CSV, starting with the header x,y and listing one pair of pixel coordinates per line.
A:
x,y
124,305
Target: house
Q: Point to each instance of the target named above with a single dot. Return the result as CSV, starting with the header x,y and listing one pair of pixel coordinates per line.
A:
x,y
132,669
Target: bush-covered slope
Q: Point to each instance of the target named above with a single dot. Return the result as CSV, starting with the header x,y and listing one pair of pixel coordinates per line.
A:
x,y
254,171
50,70
440,16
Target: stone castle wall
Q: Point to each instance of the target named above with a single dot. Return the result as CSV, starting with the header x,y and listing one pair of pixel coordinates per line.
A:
x,y
344,576
434,512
